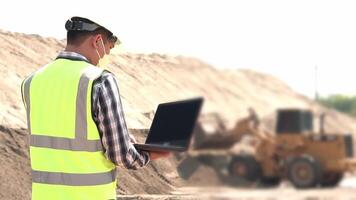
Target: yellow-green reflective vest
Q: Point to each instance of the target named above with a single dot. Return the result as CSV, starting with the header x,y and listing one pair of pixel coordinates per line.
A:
x,y
67,158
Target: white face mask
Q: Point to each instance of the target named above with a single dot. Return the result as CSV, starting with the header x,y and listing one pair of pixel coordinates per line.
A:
x,y
103,61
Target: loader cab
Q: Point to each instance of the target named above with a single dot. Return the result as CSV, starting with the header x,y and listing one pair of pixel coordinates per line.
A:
x,y
294,121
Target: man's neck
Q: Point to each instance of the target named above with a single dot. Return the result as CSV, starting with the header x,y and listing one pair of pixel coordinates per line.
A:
x,y
79,50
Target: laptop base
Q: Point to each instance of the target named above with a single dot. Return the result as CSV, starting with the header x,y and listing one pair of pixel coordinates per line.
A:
x,y
160,148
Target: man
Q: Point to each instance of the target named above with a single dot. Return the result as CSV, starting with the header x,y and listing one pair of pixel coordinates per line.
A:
x,y
78,133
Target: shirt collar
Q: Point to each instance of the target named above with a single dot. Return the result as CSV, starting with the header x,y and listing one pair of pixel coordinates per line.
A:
x,y
72,56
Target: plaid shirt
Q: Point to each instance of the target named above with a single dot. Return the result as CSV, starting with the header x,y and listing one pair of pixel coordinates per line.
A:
x,y
109,117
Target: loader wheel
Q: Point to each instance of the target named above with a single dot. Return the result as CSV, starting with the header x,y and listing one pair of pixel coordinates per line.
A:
x,y
331,179
270,181
304,172
246,167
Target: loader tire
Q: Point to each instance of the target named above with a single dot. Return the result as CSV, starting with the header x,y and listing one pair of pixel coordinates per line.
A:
x,y
304,172
245,167
331,179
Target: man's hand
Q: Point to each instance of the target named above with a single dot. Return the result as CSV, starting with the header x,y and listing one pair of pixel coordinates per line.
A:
x,y
154,155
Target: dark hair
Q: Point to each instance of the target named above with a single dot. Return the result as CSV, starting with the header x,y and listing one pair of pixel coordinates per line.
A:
x,y
75,37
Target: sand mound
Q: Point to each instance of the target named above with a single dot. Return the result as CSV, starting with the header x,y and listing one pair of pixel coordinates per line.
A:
x,y
15,180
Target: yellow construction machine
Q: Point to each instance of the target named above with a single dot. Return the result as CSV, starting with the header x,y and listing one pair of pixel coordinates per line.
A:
x,y
294,152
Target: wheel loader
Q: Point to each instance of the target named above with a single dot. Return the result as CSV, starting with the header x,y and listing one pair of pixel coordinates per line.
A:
x,y
294,152
307,159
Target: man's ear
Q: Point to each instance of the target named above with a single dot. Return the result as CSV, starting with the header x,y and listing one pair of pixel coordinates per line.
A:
x,y
95,40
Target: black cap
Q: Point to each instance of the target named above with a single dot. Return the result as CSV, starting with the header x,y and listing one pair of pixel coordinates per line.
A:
x,y
81,24
84,24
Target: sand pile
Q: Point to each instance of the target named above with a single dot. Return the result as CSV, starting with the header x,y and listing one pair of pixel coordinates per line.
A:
x,y
15,165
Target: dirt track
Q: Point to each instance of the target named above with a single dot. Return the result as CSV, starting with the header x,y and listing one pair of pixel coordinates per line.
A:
x,y
345,191
189,193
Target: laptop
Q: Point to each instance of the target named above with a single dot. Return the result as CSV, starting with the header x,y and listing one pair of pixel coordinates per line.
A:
x,y
172,126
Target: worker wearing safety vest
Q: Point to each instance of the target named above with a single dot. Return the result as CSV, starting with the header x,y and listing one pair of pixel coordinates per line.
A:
x,y
78,133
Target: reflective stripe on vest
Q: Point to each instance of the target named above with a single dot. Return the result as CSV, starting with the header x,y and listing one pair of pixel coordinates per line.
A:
x,y
73,179
64,147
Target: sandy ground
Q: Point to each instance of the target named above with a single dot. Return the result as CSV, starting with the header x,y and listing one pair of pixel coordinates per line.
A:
x,y
281,193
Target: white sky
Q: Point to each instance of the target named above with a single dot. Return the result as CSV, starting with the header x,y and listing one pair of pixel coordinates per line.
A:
x,y
284,38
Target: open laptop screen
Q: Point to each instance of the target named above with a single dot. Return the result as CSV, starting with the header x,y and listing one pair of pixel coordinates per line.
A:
x,y
174,122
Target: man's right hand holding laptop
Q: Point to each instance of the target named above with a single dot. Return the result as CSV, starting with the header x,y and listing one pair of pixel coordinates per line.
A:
x,y
154,155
